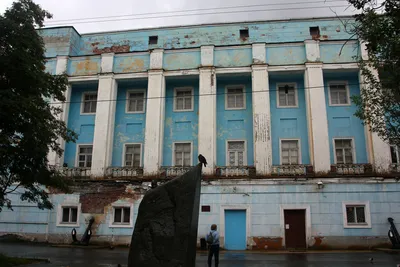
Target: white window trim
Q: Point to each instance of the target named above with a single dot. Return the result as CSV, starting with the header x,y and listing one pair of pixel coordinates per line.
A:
x,y
60,212
296,97
192,98
121,205
124,154
127,101
191,151
397,151
280,149
245,151
226,96
367,214
347,92
353,145
77,154
83,102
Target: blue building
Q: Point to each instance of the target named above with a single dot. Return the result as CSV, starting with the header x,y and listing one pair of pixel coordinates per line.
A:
x,y
267,103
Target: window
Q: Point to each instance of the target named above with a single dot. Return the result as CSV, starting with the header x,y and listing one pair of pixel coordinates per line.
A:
x,y
344,151
236,153
153,40
314,31
122,215
338,94
183,99
287,95
85,156
395,153
244,33
183,154
69,215
235,97
290,152
136,101
89,102
133,155
356,215
206,208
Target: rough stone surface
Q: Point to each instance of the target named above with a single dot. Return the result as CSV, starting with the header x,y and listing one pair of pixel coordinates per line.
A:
x,y
165,232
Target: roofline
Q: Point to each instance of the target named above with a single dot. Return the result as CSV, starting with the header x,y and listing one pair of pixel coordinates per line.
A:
x,y
204,24
60,27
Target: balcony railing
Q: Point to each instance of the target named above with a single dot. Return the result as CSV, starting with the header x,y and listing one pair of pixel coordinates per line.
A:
x,y
292,170
351,169
124,172
238,171
76,172
395,167
172,171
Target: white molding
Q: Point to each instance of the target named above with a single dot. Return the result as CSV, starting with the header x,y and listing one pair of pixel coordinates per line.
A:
x,y
83,102
127,101
232,70
188,72
223,208
340,66
284,68
191,151
207,55
121,205
124,154
183,88
347,42
77,154
83,78
136,75
59,214
296,96
219,48
347,93
367,214
300,44
353,146
107,63
244,154
174,51
290,139
259,53
305,207
244,96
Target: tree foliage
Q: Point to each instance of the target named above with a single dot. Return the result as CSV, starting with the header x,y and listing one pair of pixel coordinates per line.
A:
x,y
28,123
378,25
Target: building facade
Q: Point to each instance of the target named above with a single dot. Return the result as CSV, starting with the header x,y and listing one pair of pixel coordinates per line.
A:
x,y
267,103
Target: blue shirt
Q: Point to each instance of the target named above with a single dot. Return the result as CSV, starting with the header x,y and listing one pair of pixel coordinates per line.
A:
x,y
215,235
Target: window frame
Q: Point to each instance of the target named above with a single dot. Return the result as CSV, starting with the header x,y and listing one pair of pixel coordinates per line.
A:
x,y
114,206
234,86
60,208
124,154
296,97
397,152
245,163
185,88
77,155
347,93
353,146
299,148
191,153
127,101
367,214
83,102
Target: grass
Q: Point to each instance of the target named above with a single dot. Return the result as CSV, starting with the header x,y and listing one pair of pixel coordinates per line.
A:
x,y
6,261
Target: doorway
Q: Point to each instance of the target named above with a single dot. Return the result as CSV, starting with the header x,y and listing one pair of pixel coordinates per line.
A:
x,y
295,228
235,229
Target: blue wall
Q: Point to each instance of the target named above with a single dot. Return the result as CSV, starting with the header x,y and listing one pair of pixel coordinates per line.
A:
x,y
234,124
129,127
83,125
288,122
341,119
180,126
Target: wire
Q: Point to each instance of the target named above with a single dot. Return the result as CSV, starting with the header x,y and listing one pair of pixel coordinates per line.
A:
x,y
200,95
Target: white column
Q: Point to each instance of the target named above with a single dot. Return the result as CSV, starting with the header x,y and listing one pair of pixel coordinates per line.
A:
x,y
318,135
105,117
155,109
208,110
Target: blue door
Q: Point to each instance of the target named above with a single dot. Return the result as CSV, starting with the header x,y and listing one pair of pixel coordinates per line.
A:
x,y
235,229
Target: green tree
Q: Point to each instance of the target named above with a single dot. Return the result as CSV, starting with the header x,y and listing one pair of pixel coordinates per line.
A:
x,y
28,123
378,25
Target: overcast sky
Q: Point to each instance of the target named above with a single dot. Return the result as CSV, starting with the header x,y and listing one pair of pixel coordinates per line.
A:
x,y
121,12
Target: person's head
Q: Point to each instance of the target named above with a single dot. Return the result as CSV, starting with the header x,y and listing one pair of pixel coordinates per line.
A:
x,y
214,227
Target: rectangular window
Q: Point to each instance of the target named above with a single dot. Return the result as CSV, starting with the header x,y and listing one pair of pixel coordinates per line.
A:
x,y
133,155
287,96
394,152
338,94
290,152
235,98
89,103
344,151
85,156
136,101
69,215
355,214
183,99
122,215
183,154
236,153
206,208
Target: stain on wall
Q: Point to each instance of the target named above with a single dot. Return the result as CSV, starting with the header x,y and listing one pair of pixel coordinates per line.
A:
x,y
286,55
233,57
131,63
337,53
181,60
84,66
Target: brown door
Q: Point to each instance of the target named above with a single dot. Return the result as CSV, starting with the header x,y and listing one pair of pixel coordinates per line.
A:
x,y
295,229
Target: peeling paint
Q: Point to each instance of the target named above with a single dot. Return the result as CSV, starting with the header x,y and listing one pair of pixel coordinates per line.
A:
x,y
267,243
112,49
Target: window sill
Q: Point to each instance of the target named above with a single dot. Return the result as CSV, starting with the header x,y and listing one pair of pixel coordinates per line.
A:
x,y
293,107
339,105
361,226
84,114
134,112
183,110
67,224
243,108
120,225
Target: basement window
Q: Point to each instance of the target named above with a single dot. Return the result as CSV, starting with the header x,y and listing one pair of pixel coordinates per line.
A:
x,y
153,40
244,33
69,215
205,208
314,31
122,215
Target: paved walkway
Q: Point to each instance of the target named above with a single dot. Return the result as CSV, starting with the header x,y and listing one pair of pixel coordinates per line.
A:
x,y
78,257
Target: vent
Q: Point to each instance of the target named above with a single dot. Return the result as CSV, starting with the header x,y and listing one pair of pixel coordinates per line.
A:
x,y
314,31
205,208
244,33
153,40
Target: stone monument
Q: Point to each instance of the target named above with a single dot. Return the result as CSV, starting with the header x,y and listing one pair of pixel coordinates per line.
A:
x,y
165,233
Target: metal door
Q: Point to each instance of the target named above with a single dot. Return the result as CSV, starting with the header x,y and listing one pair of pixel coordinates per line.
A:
x,y
295,229
235,229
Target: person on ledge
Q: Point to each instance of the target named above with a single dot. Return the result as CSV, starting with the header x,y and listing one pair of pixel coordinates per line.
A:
x,y
212,239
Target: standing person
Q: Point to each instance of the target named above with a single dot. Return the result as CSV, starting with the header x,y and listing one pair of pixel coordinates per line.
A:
x,y
213,241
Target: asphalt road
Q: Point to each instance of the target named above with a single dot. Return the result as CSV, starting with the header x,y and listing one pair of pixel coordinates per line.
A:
x,y
78,257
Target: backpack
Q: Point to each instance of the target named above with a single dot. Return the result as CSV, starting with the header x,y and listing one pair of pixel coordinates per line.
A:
x,y
210,239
